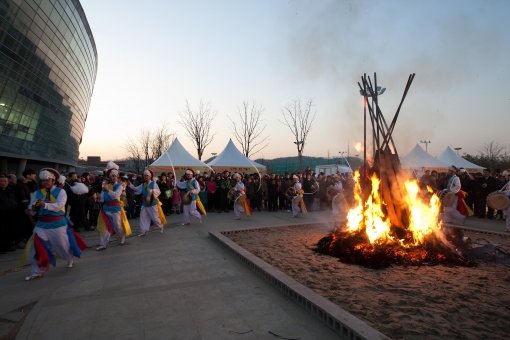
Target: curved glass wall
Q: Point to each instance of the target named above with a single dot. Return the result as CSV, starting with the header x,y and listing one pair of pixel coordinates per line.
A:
x,y
48,65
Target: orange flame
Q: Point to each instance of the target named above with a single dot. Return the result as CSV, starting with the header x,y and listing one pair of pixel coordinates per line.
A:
x,y
424,215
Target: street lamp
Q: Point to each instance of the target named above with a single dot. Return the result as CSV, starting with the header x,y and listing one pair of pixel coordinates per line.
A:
x,y
342,153
426,142
380,90
457,149
298,143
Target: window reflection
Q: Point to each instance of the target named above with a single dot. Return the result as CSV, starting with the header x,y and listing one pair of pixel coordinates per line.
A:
x,y
46,79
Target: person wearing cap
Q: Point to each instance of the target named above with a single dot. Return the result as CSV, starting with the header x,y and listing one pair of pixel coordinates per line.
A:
x,y
452,212
111,219
149,211
51,229
299,192
240,206
192,188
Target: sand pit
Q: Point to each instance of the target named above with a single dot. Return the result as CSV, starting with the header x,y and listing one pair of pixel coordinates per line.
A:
x,y
401,302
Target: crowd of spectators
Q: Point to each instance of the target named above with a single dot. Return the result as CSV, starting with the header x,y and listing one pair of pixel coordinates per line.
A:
x,y
477,186
266,192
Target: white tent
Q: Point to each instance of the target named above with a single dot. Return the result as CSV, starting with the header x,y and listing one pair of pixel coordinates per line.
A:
x,y
450,157
232,159
418,158
177,159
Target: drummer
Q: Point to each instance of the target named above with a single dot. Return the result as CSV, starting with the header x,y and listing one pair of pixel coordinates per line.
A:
x,y
149,211
239,201
506,190
451,212
299,196
192,188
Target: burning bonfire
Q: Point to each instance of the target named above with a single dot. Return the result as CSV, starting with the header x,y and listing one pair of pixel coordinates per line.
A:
x,y
371,239
392,221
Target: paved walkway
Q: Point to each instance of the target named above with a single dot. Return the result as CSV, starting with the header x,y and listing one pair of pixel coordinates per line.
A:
x,y
177,285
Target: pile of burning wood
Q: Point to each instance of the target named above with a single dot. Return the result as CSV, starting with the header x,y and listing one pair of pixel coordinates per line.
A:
x,y
392,220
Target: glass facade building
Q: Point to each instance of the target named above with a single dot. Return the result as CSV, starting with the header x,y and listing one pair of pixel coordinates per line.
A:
x,y
48,65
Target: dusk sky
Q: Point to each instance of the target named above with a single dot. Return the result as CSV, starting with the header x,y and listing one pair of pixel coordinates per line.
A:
x,y
155,55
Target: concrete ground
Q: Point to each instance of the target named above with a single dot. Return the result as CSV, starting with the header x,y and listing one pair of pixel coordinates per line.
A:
x,y
177,285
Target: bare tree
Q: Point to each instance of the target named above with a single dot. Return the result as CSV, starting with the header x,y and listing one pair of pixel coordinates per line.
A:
x,y
160,141
135,155
145,145
197,124
492,152
299,118
143,150
248,129
138,149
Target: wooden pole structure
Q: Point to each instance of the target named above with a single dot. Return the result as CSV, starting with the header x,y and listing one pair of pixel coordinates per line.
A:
x,y
386,161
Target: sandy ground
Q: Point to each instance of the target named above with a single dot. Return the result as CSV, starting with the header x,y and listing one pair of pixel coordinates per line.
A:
x,y
402,302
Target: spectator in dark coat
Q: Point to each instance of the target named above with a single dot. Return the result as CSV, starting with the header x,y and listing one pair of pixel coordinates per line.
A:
x,y
8,208
484,186
93,208
272,194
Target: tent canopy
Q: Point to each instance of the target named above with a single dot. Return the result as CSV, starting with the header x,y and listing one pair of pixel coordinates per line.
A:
x,y
450,157
418,158
177,159
232,159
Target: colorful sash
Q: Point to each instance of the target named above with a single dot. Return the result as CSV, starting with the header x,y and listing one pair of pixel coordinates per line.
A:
x,y
145,193
42,249
161,214
48,219
111,204
104,224
462,207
